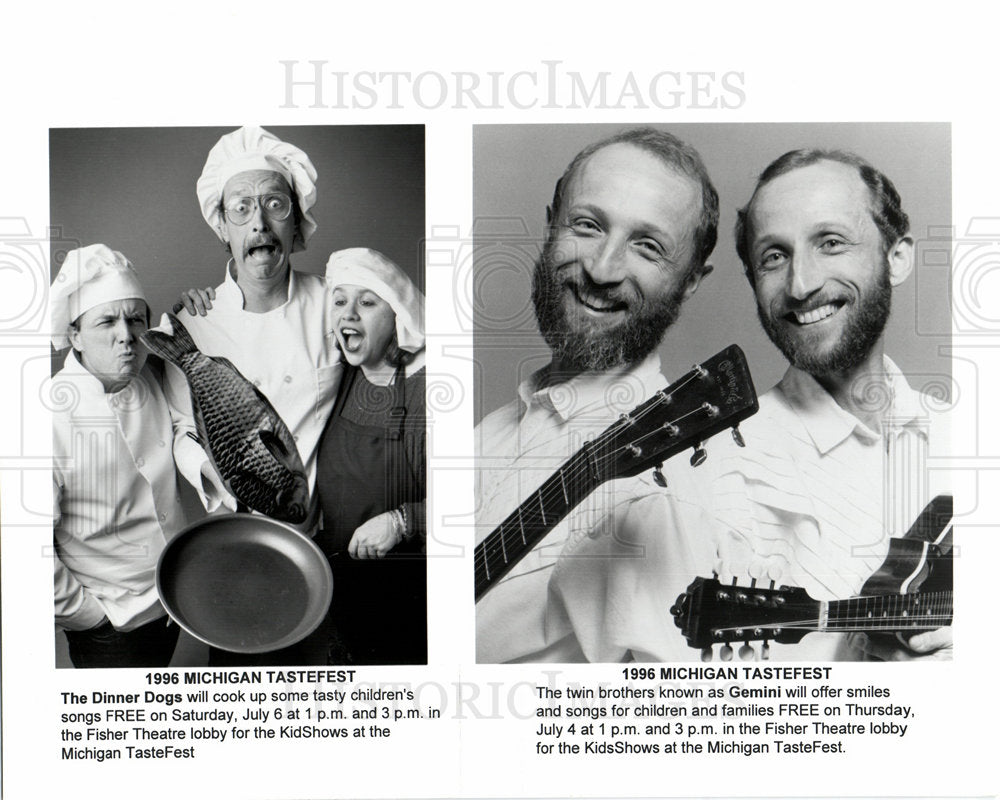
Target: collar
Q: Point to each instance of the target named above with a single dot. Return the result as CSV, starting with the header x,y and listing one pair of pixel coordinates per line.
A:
x,y
232,295
828,425
619,391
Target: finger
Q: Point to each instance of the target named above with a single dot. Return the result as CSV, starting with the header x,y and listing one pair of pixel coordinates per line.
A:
x,y
189,304
211,292
930,640
352,548
176,309
206,298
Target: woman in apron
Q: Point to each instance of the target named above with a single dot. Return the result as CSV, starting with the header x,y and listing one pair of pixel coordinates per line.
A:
x,y
371,476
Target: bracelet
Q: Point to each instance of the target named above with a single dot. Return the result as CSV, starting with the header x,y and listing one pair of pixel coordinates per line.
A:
x,y
407,535
398,524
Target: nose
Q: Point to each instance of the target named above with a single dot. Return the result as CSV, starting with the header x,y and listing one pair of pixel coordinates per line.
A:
x,y
804,276
350,310
124,332
258,220
606,262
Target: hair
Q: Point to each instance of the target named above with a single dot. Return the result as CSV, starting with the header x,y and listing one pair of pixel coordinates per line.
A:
x,y
676,155
886,207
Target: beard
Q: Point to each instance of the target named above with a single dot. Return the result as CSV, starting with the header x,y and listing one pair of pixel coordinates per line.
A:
x,y
862,331
579,344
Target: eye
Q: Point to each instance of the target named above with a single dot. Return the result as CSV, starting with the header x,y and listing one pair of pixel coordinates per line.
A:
x,y
771,259
275,202
650,248
584,225
832,244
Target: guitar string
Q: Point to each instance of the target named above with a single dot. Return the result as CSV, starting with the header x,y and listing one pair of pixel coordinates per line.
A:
x,y
662,397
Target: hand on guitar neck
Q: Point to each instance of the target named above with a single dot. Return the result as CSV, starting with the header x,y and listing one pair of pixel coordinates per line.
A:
x,y
935,645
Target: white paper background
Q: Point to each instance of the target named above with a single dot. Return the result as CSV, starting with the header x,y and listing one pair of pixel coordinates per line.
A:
x,y
194,64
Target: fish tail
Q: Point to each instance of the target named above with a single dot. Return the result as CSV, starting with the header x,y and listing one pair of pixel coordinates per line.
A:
x,y
170,348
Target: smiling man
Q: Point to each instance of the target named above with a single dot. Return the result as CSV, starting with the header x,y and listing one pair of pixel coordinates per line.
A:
x,y
631,225
836,459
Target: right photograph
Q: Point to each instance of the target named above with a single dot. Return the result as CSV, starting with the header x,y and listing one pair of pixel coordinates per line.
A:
x,y
713,392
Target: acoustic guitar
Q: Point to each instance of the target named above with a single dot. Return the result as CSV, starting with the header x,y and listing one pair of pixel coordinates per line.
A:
x,y
714,395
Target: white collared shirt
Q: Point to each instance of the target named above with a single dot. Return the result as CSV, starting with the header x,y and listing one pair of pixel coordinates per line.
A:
x,y
289,353
816,494
592,589
114,495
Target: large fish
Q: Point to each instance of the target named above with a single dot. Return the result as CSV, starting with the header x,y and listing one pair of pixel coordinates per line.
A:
x,y
248,443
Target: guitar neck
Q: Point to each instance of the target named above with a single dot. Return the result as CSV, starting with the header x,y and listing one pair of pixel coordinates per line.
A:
x,y
887,613
547,506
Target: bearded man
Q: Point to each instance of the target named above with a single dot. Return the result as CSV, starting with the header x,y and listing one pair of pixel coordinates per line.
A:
x,y
836,459
631,226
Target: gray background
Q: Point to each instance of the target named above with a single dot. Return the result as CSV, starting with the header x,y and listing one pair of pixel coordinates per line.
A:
x,y
515,171
133,189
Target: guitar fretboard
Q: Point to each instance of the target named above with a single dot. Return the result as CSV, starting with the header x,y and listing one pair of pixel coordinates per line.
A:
x,y
890,612
535,517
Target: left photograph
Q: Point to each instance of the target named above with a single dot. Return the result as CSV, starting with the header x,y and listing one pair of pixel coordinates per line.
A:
x,y
238,399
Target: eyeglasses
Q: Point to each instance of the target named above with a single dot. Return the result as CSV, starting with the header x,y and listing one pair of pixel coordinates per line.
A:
x,y
275,206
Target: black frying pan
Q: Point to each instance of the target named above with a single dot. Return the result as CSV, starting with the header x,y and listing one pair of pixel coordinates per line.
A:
x,y
244,583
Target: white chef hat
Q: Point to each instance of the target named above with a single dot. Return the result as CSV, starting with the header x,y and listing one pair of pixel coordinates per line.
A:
x,y
360,266
90,276
249,148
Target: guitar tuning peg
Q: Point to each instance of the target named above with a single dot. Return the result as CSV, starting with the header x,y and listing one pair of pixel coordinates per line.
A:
x,y
738,437
746,652
699,455
706,654
658,477
726,653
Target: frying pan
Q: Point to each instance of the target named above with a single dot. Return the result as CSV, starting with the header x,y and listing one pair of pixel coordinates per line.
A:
x,y
244,583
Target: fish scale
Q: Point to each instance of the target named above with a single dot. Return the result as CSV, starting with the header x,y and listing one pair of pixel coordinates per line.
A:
x,y
247,441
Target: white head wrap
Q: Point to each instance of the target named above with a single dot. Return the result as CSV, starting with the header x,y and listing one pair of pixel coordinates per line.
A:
x,y
251,148
359,266
90,276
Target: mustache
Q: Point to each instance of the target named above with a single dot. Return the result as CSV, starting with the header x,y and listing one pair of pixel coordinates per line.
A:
x,y
259,240
585,286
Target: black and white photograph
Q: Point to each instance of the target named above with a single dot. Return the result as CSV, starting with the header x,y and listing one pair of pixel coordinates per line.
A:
x,y
609,260
238,338
525,401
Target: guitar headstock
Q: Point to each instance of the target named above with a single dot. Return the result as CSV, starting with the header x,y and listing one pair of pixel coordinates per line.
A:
x,y
715,395
711,613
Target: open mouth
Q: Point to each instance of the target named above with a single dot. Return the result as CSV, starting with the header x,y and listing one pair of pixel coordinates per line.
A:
x,y
814,315
352,339
262,252
597,304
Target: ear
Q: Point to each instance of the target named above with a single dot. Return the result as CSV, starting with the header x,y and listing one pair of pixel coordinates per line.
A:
x,y
900,259
695,277
548,216
74,337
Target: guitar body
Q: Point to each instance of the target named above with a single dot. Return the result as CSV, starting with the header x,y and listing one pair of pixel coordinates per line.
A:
x,y
918,562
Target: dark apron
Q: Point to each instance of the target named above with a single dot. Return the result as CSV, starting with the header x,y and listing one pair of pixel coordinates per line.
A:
x,y
379,610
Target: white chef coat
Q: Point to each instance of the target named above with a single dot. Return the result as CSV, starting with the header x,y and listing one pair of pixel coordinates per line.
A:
x,y
114,495
289,353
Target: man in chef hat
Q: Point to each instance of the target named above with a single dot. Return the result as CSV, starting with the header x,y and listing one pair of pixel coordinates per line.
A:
x,y
272,322
115,498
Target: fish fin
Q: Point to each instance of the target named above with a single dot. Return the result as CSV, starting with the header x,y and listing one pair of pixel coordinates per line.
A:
x,y
170,348
275,446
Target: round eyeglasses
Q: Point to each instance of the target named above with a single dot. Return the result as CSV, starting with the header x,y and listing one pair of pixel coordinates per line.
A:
x,y
276,206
